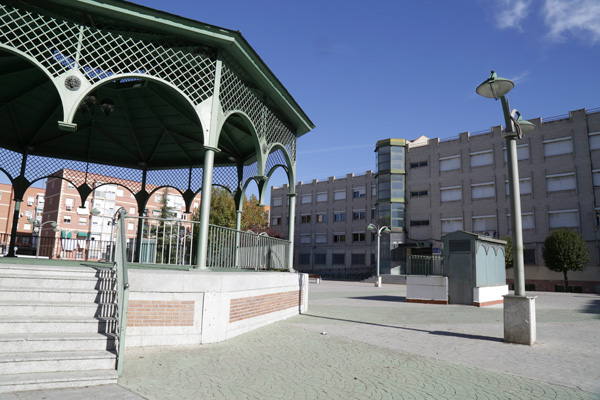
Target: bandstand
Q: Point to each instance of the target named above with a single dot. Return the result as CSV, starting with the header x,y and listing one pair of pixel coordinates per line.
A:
x,y
112,93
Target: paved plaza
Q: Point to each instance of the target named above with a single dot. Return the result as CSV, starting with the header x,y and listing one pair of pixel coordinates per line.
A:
x,y
361,342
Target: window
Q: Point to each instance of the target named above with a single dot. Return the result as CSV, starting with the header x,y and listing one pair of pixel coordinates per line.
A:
x,y
594,138
359,214
156,213
450,225
373,191
483,190
558,146
359,192
481,158
320,238
339,195
524,186
70,185
421,193
522,152
339,237
449,163
563,219
321,197
596,177
419,222
196,204
453,193
27,227
390,157
339,216
391,214
0,195
486,223
30,201
527,221
419,164
67,219
373,213
131,210
358,236
158,198
555,183
320,259
69,204
358,259
82,221
304,258
276,221
322,217
130,226
529,256
390,186
120,192
305,239
305,219
29,213
306,199
277,202
338,259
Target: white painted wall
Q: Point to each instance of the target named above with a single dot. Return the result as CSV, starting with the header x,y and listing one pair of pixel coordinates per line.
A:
x,y
427,288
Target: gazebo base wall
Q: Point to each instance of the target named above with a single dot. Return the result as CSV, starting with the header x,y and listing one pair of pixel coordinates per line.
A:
x,y
196,307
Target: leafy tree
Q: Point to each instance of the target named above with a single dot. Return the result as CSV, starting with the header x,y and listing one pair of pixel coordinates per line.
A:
x,y
254,217
165,210
508,256
565,250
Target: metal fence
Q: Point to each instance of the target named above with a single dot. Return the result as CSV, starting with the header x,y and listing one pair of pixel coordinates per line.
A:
x,y
425,265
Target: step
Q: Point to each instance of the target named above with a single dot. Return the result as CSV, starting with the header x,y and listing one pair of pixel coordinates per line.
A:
x,y
55,361
57,294
57,281
52,324
29,342
388,279
53,380
40,270
37,308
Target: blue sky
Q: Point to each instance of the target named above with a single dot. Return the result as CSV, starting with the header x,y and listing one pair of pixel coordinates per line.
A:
x,y
370,70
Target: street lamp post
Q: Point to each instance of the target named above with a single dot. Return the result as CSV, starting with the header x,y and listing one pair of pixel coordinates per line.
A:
x,y
39,236
378,231
516,314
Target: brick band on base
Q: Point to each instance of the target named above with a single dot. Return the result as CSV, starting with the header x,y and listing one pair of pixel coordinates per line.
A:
x,y
488,303
160,313
249,307
423,301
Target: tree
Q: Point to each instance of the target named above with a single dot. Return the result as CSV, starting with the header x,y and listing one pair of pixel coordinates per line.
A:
x,y
565,250
254,216
508,256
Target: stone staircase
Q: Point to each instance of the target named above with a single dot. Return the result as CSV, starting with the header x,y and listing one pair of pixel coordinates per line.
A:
x,y
56,327
388,279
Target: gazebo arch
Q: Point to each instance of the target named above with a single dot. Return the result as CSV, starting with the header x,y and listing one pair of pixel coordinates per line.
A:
x,y
166,91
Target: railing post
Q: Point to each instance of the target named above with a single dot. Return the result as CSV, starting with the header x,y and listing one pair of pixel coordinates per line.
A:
x,y
238,228
291,229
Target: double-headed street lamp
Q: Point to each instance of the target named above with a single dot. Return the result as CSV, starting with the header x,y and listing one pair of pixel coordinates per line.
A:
x,y
515,315
378,231
35,223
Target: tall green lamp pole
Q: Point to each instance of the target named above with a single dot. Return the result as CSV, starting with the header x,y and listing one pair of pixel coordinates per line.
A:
x,y
497,88
378,231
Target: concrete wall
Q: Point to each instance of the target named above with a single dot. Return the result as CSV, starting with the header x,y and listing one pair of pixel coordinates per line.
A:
x,y
427,289
193,307
489,295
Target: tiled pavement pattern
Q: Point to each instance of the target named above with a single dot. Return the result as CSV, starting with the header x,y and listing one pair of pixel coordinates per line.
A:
x,y
377,347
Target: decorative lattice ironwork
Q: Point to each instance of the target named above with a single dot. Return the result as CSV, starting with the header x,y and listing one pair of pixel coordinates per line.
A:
x,y
226,176
177,178
38,167
54,44
238,94
250,169
196,181
10,161
275,158
127,177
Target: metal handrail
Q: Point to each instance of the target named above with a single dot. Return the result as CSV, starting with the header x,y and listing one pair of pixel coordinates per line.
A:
x,y
425,265
122,283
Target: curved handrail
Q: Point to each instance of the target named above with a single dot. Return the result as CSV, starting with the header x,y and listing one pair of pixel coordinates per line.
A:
x,y
122,289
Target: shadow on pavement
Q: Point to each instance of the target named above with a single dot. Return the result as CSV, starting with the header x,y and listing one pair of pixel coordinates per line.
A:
x,y
593,307
397,299
439,333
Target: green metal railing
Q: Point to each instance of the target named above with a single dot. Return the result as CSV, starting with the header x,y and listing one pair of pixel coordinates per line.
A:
x,y
122,287
229,248
425,265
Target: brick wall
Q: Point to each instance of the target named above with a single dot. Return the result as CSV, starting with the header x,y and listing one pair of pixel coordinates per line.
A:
x,y
160,313
249,307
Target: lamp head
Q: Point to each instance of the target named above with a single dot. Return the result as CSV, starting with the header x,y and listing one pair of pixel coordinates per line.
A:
x,y
386,230
526,126
53,224
494,87
371,228
95,212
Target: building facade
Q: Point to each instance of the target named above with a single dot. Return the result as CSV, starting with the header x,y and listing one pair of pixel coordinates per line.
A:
x,y
30,210
461,183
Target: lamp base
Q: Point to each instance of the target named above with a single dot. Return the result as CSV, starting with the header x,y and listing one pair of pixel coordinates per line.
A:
x,y
519,319
378,281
